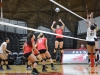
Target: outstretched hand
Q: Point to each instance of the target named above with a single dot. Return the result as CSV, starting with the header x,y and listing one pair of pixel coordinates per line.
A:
x,y
91,15
54,22
60,20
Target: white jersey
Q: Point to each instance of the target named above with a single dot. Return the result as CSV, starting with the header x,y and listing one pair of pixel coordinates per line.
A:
x,y
90,34
95,36
1,50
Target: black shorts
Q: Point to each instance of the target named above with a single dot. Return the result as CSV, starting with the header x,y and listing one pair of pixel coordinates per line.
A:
x,y
97,60
91,43
96,39
27,54
42,51
59,39
36,54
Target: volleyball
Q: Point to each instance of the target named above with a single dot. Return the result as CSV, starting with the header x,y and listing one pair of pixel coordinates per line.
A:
x,y
57,9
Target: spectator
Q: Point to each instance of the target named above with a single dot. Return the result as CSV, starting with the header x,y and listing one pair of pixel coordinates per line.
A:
x,y
82,47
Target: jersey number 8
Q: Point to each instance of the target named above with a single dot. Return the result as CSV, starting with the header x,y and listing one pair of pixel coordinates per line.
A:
x,y
40,41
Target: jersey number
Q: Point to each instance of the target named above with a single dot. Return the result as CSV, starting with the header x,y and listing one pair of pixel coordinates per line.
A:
x,y
91,34
40,41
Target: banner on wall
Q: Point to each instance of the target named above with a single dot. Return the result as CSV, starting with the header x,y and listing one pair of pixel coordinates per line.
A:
x,y
75,56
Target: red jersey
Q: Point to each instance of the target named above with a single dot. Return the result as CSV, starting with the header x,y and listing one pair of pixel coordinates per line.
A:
x,y
41,43
27,48
59,31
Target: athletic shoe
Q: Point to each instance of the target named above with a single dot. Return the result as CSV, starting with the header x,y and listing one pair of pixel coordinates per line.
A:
x,y
29,68
8,68
53,68
44,70
35,73
1,69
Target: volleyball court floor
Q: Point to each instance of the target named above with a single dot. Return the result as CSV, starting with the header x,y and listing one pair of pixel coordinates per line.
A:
x,y
68,69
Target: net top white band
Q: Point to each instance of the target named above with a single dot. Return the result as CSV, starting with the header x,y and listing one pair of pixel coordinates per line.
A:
x,y
32,29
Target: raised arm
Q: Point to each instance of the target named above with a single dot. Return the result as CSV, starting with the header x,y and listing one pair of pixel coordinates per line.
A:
x,y
92,21
63,25
91,18
88,21
53,25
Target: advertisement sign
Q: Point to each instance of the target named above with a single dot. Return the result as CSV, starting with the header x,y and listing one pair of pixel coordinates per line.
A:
x,y
75,56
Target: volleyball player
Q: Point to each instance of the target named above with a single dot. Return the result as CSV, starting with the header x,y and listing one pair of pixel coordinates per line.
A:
x,y
28,47
43,49
39,56
4,55
59,39
90,38
41,59
95,36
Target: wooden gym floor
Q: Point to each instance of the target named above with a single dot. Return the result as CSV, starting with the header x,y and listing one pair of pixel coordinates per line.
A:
x,y
68,69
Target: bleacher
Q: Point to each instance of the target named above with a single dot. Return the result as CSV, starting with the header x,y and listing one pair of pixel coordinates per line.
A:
x,y
17,41
14,44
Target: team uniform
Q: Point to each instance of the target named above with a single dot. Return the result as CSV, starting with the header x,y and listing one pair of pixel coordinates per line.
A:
x,y
59,38
90,42
1,50
90,37
27,49
95,37
41,46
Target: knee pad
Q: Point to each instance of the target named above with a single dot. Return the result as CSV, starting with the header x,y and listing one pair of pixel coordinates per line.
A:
x,y
93,53
35,62
49,58
44,59
41,60
89,53
0,60
96,49
3,60
56,48
6,60
61,48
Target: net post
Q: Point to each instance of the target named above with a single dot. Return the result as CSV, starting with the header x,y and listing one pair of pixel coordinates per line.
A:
x,y
92,60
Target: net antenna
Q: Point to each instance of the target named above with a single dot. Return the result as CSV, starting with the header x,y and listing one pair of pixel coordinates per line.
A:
x,y
1,11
